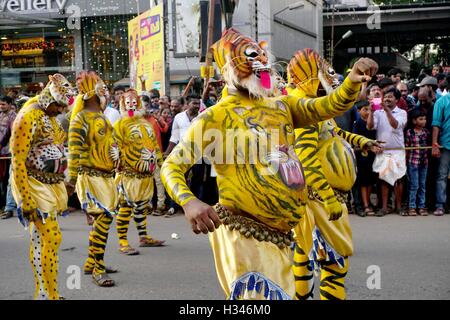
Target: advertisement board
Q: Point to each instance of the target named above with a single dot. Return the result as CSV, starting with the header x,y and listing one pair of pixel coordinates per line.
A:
x,y
146,50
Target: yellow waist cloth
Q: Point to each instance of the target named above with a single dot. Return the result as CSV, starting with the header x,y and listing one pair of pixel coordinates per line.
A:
x,y
321,238
50,199
251,269
133,189
97,194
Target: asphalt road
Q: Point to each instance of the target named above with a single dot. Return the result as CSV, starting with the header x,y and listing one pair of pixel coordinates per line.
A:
x,y
400,258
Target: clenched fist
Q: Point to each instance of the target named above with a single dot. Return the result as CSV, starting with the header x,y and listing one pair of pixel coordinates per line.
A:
x,y
363,70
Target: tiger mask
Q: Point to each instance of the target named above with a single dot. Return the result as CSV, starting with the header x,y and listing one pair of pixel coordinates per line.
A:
x,y
244,64
58,90
312,74
130,104
90,84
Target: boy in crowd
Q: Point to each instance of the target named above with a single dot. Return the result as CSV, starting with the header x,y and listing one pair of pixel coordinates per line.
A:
x,y
366,177
417,162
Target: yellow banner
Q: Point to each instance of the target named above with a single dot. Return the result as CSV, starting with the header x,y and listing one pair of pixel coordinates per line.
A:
x,y
146,50
26,46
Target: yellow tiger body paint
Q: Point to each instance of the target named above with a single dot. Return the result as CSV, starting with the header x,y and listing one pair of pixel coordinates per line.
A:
x,y
272,200
37,147
93,156
330,170
139,156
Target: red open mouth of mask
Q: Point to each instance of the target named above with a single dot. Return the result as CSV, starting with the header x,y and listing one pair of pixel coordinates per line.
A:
x,y
266,82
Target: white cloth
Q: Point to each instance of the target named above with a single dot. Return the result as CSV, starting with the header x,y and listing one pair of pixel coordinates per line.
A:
x,y
393,138
391,165
112,115
180,125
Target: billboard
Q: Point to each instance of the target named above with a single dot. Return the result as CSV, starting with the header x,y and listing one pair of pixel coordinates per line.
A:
x,y
146,50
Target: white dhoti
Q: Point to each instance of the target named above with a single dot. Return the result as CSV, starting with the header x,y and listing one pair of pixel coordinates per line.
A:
x,y
391,165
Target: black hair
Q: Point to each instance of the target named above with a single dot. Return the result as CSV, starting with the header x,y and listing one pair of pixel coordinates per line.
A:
x,y
417,113
361,104
154,93
440,76
192,96
395,92
6,99
385,82
119,88
145,99
394,71
180,100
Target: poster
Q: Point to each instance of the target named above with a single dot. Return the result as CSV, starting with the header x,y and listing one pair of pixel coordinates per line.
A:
x,y
146,50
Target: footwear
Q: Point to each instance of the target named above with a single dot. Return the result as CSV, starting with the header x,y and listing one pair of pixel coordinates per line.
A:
x,y
103,280
129,251
423,212
380,213
157,213
170,213
7,215
150,242
107,269
411,212
439,212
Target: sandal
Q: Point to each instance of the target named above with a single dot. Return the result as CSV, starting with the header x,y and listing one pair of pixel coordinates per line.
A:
x,y
103,280
157,213
369,211
402,212
412,212
129,251
150,242
381,213
423,212
107,269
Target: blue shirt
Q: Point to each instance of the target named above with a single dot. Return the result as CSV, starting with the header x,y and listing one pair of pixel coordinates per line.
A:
x,y
441,119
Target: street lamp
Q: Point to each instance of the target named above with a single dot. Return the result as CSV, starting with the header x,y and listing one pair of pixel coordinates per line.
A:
x,y
346,35
292,6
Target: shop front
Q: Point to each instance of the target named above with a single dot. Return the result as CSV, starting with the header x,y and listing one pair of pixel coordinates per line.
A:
x,y
42,37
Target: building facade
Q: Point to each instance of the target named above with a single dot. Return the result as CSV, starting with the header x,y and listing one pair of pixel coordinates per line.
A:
x,y
42,37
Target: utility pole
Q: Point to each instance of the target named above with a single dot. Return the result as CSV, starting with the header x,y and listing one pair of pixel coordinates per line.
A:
x,y
209,56
332,33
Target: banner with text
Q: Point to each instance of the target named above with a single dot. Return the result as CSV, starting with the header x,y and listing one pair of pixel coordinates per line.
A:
x,y
146,50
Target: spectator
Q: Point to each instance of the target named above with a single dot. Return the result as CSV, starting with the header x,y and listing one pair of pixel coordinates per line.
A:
x,y
112,109
432,84
181,123
7,116
154,99
387,84
164,102
366,178
391,164
417,162
442,85
395,75
414,93
403,88
426,104
436,70
441,134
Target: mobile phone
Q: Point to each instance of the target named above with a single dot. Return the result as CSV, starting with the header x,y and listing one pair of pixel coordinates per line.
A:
x,y
376,104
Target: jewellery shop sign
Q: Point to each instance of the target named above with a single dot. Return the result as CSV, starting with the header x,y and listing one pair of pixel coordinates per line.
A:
x,y
32,6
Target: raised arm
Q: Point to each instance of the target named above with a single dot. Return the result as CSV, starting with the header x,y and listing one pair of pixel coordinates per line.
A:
x,y
310,111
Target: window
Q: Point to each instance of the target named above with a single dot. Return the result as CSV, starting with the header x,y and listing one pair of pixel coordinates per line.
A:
x,y
185,19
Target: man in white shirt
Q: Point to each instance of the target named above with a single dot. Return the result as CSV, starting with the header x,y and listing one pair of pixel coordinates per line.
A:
x,y
389,123
182,122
